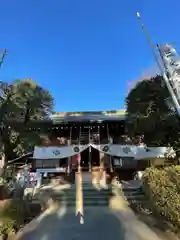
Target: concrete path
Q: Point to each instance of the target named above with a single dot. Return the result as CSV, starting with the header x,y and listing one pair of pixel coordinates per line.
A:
x,y
115,222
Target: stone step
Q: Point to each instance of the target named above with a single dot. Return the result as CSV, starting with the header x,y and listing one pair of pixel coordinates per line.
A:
x,y
132,197
105,196
67,203
65,194
93,189
86,184
86,177
96,187
86,202
132,190
92,184
96,203
133,193
70,197
95,195
62,202
96,199
138,201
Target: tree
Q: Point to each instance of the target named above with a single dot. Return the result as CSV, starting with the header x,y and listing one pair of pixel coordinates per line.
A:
x,y
150,113
23,101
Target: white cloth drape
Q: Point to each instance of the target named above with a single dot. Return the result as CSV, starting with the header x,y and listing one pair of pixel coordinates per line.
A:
x,y
57,152
116,150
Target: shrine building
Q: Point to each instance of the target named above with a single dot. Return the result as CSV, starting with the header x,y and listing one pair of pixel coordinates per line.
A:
x,y
91,140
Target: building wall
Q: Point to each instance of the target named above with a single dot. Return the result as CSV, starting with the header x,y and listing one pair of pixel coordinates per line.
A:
x,y
54,141
99,133
51,163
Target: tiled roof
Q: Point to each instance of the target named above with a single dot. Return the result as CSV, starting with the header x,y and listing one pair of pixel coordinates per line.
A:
x,y
89,116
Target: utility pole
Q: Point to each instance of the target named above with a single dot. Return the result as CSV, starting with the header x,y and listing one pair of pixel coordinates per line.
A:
x,y
3,55
169,69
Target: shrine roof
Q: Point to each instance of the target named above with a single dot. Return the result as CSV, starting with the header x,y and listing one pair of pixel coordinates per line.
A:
x,y
113,115
74,118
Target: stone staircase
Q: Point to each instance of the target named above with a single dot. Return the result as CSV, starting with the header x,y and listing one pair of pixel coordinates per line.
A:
x,y
94,195
132,191
67,197
137,200
60,195
84,192
134,195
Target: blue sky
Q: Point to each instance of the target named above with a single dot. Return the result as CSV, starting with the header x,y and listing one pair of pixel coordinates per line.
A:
x,y
84,51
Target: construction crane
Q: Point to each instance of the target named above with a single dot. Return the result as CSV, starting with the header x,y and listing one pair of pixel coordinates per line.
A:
x,y
171,63
169,66
2,56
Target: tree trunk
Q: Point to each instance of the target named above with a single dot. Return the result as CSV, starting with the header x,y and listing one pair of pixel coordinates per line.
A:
x,y
2,164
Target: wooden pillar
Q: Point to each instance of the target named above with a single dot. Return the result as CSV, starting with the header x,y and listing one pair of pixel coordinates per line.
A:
x,y
103,162
110,164
101,158
90,160
69,160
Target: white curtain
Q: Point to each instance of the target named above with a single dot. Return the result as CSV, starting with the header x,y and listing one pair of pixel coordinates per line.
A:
x,y
57,152
116,150
136,152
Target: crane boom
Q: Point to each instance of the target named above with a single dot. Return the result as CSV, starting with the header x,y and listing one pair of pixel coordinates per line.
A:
x,y
171,62
4,53
171,66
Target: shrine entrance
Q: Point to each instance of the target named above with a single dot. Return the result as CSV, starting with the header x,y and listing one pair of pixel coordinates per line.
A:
x,y
90,157
85,160
95,157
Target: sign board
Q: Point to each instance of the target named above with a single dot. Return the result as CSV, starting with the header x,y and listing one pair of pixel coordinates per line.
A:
x,y
125,162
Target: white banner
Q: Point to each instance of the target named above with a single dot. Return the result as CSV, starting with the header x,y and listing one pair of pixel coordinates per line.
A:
x,y
136,152
58,152
116,150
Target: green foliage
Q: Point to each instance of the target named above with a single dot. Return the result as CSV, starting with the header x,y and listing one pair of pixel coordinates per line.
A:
x,y
12,216
150,113
162,187
22,100
148,96
35,102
